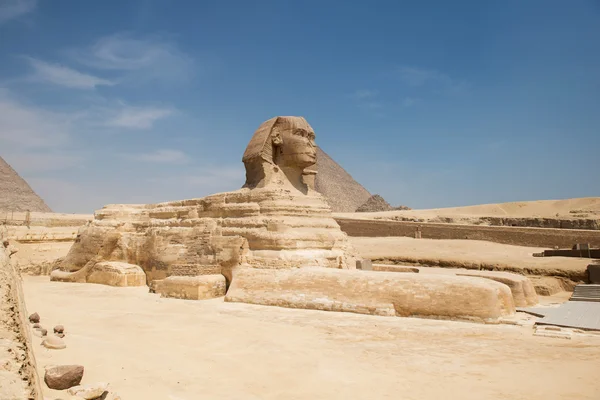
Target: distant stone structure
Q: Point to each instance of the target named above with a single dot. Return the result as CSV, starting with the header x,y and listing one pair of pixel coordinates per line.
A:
x,y
272,242
375,203
16,194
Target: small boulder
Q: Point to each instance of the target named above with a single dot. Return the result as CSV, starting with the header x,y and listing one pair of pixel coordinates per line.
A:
x,y
62,377
53,342
34,318
60,335
37,326
59,329
88,392
40,332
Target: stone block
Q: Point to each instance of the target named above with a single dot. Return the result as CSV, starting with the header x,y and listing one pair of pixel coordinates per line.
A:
x,y
192,287
117,274
521,287
395,268
377,293
364,264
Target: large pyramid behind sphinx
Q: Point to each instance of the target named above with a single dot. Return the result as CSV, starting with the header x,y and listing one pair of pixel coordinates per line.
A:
x,y
341,191
16,194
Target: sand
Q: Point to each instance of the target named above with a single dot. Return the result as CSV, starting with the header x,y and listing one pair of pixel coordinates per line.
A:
x,y
153,348
468,253
586,207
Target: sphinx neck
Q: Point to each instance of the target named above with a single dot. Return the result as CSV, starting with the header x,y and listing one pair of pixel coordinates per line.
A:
x,y
294,176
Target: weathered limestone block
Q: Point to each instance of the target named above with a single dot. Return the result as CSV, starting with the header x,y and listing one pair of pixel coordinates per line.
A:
x,y
364,264
521,287
117,274
549,285
395,268
105,272
192,287
378,293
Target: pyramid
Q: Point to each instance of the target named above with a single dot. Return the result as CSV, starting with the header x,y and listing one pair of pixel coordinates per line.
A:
x,y
342,192
16,194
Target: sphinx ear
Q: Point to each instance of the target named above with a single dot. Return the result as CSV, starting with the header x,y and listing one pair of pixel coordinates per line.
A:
x,y
277,140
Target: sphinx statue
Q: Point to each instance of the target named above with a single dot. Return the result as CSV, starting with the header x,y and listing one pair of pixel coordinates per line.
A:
x,y
276,220
272,242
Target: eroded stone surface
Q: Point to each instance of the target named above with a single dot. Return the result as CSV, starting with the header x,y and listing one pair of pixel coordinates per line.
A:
x,y
192,287
378,293
521,287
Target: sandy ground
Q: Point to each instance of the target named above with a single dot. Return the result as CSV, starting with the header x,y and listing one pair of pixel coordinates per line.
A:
x,y
587,207
153,348
465,252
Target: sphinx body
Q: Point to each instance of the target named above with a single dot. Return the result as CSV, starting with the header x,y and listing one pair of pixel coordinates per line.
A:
x,y
272,242
277,220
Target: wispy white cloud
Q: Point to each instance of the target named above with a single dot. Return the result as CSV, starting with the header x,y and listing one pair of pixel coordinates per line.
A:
x,y
64,76
162,156
29,126
10,9
368,100
138,117
150,57
416,77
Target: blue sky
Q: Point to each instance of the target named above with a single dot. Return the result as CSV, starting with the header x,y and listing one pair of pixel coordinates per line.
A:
x,y
428,103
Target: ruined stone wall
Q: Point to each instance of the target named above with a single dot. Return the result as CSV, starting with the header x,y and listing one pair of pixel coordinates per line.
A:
x,y
533,237
18,377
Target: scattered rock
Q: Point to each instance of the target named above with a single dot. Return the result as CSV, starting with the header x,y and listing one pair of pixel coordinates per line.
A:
x,y
34,318
89,392
59,329
63,376
53,342
40,332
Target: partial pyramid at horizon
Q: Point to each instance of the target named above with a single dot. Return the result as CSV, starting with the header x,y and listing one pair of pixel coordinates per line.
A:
x,y
16,194
342,192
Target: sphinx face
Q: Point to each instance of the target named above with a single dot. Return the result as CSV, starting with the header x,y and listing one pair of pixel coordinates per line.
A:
x,y
298,148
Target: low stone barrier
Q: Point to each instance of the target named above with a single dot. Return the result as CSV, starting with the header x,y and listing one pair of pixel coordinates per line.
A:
x,y
19,378
519,236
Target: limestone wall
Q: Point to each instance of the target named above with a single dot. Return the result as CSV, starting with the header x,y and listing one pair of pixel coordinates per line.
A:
x,y
18,374
40,238
520,236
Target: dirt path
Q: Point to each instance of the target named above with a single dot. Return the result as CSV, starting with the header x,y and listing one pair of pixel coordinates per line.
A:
x,y
153,348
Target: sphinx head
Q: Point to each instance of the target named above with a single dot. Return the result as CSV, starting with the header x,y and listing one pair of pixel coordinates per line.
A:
x,y
281,149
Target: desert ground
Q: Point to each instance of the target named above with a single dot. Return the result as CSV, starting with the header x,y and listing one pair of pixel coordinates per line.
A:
x,y
149,347
587,207
475,254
